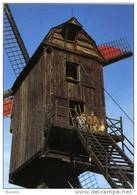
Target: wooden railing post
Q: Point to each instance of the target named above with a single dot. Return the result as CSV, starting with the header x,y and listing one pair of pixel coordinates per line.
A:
x,y
121,127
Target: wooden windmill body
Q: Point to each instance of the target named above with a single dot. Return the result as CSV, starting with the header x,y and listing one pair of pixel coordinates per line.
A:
x,y
63,79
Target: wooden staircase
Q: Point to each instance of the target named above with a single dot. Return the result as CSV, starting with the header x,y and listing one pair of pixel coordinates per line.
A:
x,y
108,157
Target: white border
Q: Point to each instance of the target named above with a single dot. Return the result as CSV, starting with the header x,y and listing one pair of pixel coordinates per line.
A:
x,y
59,191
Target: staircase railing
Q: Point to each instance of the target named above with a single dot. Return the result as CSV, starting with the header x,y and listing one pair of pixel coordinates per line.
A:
x,y
106,174
115,128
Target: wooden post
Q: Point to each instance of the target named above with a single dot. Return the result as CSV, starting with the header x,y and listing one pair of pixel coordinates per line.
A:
x,y
121,127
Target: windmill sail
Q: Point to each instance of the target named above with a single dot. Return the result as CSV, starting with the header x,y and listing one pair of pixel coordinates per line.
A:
x,y
16,52
13,43
115,51
88,180
7,107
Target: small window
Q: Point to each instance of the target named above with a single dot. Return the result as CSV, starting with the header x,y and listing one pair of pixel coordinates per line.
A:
x,y
71,34
72,71
70,31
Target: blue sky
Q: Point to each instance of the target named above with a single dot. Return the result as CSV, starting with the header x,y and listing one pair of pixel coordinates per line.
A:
x,y
104,23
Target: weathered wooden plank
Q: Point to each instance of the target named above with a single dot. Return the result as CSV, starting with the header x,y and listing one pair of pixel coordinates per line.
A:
x,y
58,36
83,37
31,115
15,125
23,128
58,42
40,111
86,50
85,44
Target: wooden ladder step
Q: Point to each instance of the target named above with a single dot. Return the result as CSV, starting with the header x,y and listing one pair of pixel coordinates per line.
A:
x,y
116,157
116,153
100,140
119,161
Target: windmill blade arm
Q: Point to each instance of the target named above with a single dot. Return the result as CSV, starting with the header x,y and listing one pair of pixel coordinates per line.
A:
x,y
13,43
7,102
115,51
7,93
16,32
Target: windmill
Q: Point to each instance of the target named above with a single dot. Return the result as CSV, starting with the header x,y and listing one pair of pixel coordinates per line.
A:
x,y
89,142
